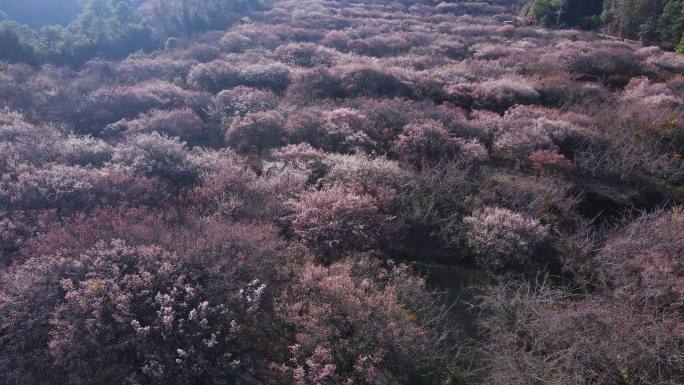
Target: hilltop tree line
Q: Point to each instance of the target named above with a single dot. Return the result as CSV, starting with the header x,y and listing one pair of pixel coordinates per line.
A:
x,y
654,22
115,28
71,32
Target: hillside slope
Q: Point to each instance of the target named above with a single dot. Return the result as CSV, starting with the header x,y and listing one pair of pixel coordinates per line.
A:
x,y
256,204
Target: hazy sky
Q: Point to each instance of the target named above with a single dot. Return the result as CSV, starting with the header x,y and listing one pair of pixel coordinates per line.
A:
x,y
38,13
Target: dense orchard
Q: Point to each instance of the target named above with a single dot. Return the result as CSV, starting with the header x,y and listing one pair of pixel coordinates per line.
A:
x,y
272,195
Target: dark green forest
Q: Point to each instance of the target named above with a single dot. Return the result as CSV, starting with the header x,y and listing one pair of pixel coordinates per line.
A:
x,y
106,28
656,22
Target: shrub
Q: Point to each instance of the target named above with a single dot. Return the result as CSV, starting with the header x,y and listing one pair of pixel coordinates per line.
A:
x,y
12,125
336,39
425,143
629,160
474,8
428,142
122,189
379,46
335,221
614,66
314,85
272,76
214,76
280,185
231,188
83,150
301,156
373,82
452,49
642,140
364,171
108,105
523,135
387,118
18,230
83,230
591,339
360,322
345,120
676,85
668,61
155,155
642,261
543,160
500,95
471,152
306,126
241,39
494,52
67,188
561,91
500,237
256,131
461,95
546,197
640,90
297,33
345,130
202,52
303,55
455,119
139,69
70,189
117,313
427,88
182,123
218,75
241,100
